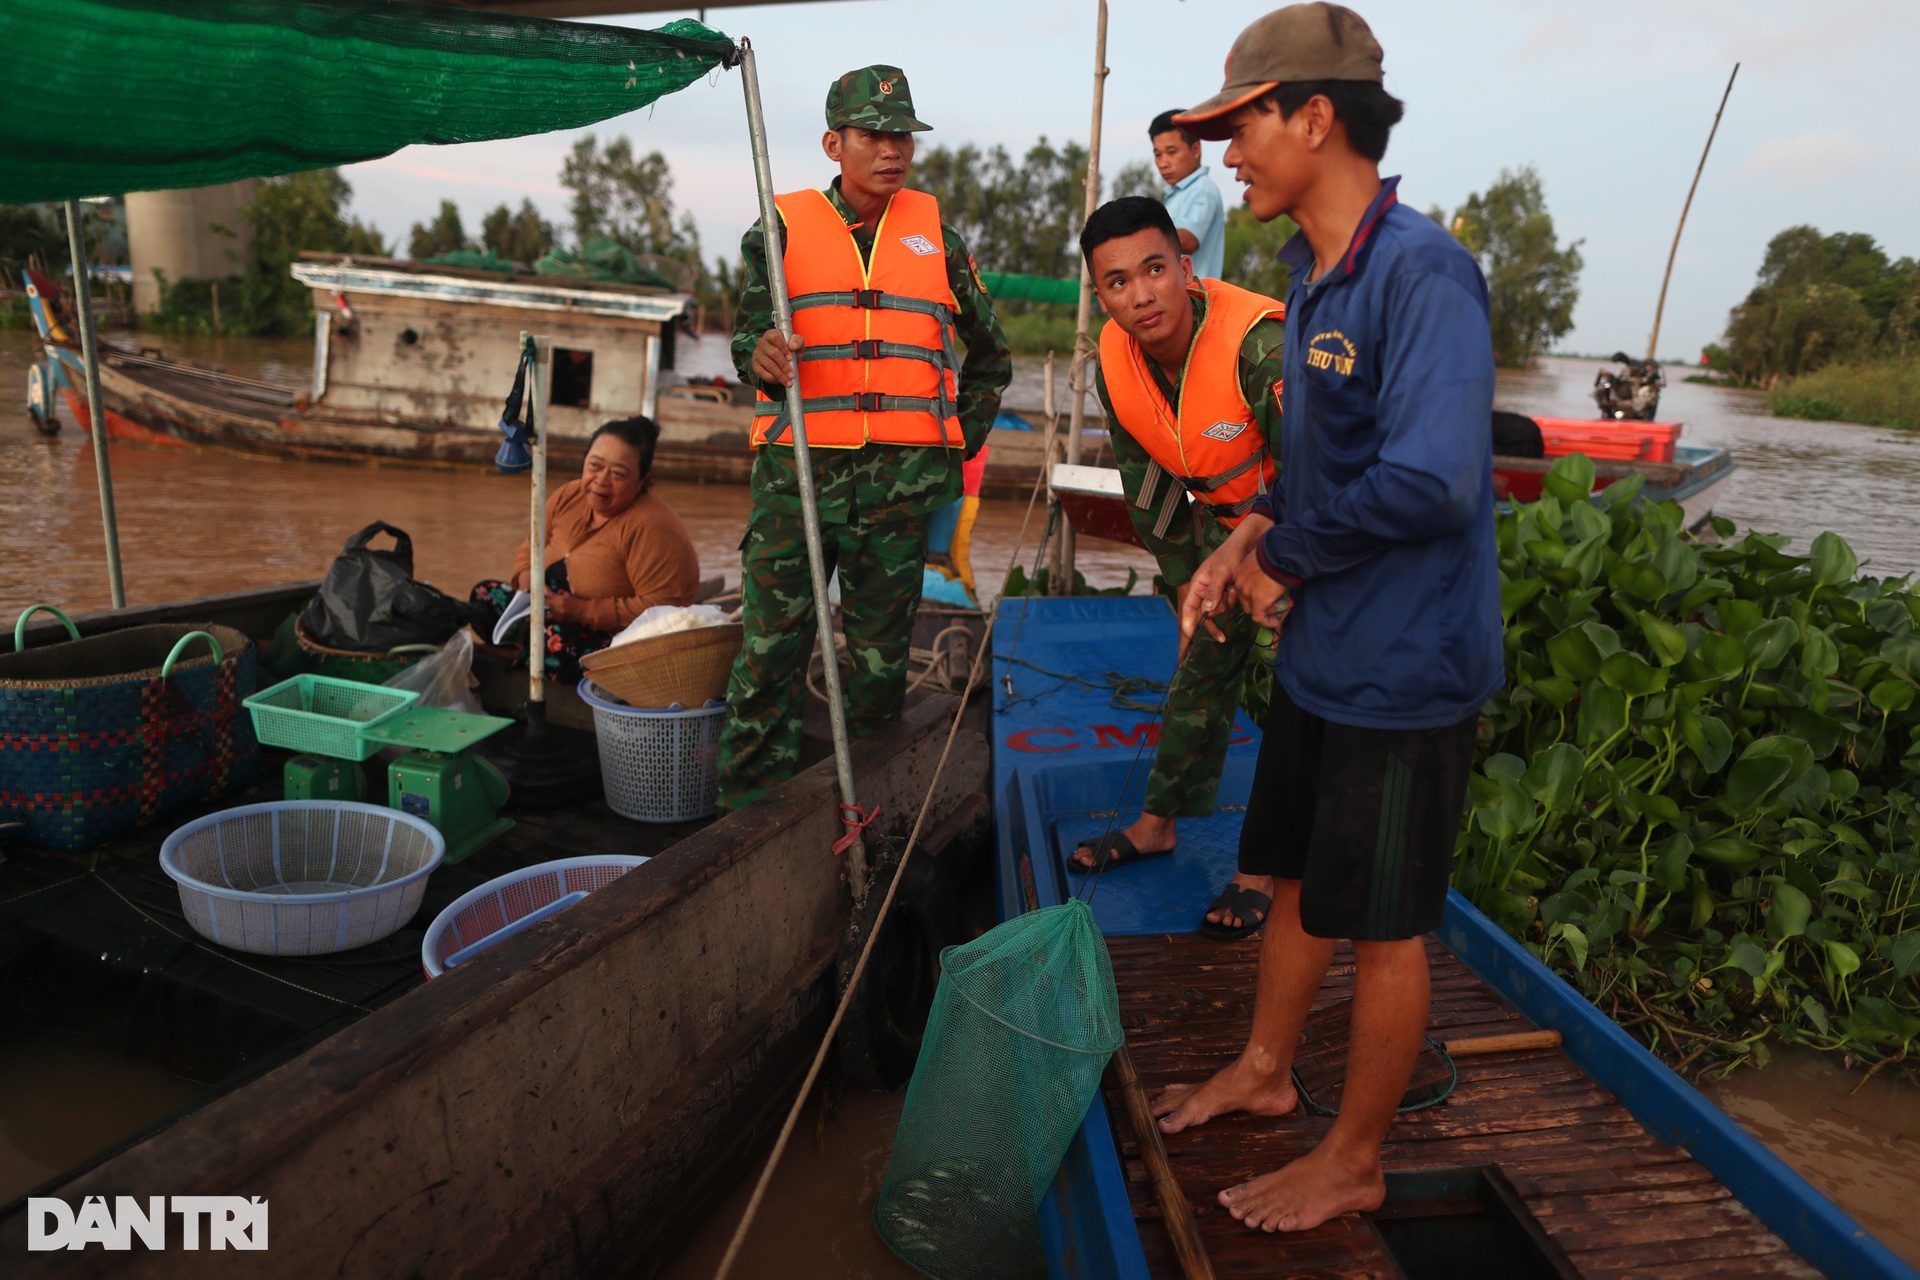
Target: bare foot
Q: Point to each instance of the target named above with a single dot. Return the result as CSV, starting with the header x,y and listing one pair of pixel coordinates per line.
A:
x,y
1236,1087
1150,833
1232,919
1304,1194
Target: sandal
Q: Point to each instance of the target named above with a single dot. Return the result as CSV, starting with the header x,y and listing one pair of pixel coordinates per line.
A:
x,y
1110,851
1242,902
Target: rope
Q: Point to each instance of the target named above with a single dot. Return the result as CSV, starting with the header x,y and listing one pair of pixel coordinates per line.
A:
x,y
1120,688
886,903
214,952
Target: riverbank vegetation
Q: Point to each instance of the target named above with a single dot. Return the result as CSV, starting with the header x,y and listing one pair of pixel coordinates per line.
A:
x,y
1831,328
1880,393
1697,798
1533,281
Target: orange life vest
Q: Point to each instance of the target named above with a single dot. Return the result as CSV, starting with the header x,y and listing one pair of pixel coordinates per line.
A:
x,y
879,364
1208,442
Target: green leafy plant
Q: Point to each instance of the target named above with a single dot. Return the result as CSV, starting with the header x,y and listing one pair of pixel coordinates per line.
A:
x,y
1698,797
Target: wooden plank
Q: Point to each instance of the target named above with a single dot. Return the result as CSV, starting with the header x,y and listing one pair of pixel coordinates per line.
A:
x,y
1620,1202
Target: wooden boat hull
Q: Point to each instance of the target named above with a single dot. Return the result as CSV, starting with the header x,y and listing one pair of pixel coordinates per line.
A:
x,y
1598,1121
572,1101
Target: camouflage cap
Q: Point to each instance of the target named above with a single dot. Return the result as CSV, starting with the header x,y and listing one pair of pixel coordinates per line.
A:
x,y
874,98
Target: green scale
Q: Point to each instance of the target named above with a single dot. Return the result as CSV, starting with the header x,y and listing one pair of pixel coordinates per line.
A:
x,y
438,779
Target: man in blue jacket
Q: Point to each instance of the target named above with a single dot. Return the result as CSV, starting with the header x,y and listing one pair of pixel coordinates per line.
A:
x,y
1377,544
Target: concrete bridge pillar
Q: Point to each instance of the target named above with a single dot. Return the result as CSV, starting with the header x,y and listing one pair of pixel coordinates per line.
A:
x,y
196,234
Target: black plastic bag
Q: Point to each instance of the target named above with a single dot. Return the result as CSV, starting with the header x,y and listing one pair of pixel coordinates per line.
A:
x,y
370,603
1517,436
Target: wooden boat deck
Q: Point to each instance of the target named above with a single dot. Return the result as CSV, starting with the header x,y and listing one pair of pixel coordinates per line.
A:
x,y
1616,1200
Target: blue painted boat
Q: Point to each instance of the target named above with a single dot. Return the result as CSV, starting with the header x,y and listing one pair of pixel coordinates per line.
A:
x,y
1065,756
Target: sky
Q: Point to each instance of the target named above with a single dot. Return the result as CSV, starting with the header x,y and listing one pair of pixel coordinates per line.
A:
x,y
1609,102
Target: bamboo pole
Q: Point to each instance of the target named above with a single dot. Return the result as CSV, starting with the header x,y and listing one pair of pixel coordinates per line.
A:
x,y
537,532
803,466
1078,382
1174,1209
96,405
1653,342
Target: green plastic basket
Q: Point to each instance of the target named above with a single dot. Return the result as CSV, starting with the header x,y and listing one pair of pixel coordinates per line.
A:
x,y
324,716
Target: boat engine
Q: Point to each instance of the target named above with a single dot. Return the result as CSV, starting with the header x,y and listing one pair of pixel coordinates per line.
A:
x,y
1632,392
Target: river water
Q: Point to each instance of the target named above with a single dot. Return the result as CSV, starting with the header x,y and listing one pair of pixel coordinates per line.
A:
x,y
193,522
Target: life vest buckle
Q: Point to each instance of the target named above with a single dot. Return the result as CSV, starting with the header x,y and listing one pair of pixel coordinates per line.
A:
x,y
867,401
866,349
867,299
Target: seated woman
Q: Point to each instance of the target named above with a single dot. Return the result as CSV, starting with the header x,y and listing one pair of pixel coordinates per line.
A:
x,y
613,549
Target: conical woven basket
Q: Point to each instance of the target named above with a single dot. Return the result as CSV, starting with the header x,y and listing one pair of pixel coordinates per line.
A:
x,y
688,668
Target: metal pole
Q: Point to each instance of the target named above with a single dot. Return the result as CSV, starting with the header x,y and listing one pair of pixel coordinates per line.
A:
x,y
1078,382
537,525
1653,342
802,462
96,405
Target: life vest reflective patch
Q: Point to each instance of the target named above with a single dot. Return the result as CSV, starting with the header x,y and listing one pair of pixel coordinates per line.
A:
x,y
879,364
1203,442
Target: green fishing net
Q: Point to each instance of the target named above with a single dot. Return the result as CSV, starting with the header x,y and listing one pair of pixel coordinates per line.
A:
x,y
109,96
1022,1025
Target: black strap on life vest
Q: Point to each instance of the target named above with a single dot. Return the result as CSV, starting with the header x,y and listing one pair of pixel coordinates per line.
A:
x,y
944,359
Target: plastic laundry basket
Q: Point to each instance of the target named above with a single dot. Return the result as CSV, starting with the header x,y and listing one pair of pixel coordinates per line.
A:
x,y
656,765
496,910
301,877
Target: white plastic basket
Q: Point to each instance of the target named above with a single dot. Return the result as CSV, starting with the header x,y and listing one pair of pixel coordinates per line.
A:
x,y
301,877
507,904
656,765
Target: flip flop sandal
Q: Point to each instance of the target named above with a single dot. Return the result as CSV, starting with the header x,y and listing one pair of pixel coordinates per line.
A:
x,y
1111,851
1243,902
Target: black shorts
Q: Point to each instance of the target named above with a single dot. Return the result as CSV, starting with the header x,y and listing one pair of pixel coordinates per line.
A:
x,y
1365,819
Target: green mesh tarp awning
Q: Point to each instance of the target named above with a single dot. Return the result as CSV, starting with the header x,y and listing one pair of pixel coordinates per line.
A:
x,y
1008,287
108,96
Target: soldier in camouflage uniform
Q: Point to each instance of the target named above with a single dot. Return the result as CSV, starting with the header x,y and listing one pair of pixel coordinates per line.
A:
x,y
874,499
1132,247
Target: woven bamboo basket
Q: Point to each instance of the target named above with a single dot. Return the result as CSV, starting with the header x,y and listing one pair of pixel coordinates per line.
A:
x,y
689,668
347,664
102,734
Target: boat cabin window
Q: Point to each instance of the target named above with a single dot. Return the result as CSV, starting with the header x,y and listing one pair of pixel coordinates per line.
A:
x,y
572,378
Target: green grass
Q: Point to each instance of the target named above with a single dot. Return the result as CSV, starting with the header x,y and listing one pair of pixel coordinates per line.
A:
x,y
1880,393
14,314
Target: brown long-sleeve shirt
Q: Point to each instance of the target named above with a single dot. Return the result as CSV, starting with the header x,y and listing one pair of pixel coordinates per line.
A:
x,y
639,558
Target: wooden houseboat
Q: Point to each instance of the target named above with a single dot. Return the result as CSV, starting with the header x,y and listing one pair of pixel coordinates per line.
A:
x,y
412,362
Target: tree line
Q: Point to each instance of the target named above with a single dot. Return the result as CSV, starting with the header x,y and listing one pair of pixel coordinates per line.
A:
x,y
1018,213
1820,300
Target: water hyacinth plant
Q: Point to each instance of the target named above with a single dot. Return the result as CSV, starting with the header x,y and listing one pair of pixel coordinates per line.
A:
x,y
1699,793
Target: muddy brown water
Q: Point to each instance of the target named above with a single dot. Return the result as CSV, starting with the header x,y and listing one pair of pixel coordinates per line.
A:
x,y
198,521
64,1098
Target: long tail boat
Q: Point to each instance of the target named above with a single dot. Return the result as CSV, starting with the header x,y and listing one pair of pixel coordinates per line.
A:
x,y
1603,1161
572,1102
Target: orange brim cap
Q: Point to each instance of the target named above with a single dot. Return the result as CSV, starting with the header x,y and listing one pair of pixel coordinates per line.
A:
x,y
1209,119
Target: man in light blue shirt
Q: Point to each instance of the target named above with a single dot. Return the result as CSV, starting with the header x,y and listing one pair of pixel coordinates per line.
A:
x,y
1193,201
